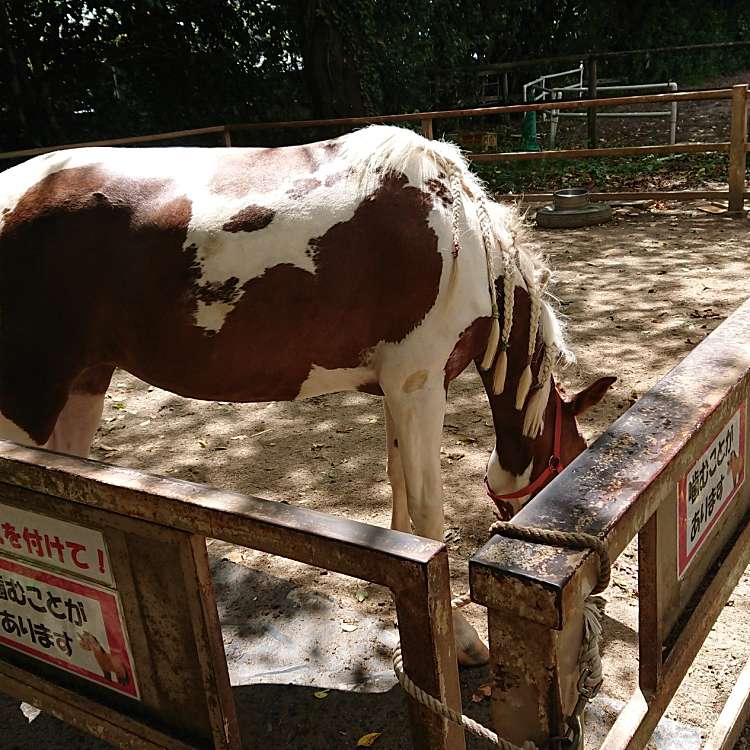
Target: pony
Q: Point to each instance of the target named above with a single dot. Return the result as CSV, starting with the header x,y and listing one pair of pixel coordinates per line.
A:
x,y
373,262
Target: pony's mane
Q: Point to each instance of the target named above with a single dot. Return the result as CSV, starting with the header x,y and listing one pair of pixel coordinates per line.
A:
x,y
378,150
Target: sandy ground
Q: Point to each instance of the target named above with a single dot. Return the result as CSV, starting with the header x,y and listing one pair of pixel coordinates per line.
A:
x,y
637,294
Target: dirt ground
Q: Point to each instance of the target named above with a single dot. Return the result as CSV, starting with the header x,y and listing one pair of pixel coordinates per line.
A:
x,y
637,295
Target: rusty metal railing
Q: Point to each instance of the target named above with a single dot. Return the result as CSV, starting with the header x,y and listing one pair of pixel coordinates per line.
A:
x,y
155,530
644,476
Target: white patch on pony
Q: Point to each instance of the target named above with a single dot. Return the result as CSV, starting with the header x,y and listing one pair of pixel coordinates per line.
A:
x,y
320,380
11,431
377,150
284,241
502,481
211,315
77,424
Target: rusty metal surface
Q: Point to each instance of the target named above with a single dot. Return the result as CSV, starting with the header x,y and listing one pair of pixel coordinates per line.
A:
x,y
611,490
357,549
414,569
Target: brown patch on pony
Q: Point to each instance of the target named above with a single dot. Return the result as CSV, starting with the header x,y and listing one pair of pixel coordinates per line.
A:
x,y
441,191
63,310
470,346
249,219
217,291
302,187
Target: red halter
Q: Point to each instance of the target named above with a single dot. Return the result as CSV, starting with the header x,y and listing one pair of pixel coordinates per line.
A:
x,y
554,467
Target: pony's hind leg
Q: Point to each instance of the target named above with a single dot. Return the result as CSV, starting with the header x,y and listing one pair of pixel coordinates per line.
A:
x,y
78,421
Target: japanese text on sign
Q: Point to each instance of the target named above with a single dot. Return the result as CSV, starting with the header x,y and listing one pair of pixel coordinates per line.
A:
x,y
64,546
73,625
709,486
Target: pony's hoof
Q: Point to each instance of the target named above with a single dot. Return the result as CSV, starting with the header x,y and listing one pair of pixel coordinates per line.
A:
x,y
474,655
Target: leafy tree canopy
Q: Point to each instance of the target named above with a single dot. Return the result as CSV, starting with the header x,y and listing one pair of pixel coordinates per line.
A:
x,y
74,70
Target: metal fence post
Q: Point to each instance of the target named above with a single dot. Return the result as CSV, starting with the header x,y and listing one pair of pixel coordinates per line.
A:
x,y
738,149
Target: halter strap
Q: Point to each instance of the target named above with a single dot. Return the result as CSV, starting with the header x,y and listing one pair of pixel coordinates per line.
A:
x,y
554,466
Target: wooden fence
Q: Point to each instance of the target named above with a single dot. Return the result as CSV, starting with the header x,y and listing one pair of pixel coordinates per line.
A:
x,y
736,147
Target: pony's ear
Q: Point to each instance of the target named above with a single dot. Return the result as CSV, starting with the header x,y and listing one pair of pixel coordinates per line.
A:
x,y
591,395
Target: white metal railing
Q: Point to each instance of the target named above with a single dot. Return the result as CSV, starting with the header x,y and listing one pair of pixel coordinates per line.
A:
x,y
540,90
558,92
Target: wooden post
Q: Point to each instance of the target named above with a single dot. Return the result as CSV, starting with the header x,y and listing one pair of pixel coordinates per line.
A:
x,y
738,149
591,111
427,128
227,136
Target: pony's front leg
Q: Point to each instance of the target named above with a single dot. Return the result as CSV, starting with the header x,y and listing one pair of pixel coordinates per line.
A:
x,y
400,511
416,417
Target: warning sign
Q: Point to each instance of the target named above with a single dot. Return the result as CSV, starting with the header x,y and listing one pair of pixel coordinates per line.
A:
x,y
54,543
706,490
71,624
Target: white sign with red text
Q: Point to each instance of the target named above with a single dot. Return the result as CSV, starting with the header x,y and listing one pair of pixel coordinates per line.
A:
x,y
74,625
709,486
57,544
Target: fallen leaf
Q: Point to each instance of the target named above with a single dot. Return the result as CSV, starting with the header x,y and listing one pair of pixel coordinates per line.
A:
x,y
107,448
349,627
361,595
145,423
118,405
202,443
238,437
320,694
368,740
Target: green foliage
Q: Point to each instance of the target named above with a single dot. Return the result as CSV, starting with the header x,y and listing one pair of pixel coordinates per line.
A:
x,y
72,70
671,172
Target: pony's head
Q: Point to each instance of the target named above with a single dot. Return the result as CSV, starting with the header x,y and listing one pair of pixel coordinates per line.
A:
x,y
536,432
521,466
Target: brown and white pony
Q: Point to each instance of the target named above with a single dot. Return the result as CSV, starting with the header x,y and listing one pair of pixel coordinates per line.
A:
x,y
373,262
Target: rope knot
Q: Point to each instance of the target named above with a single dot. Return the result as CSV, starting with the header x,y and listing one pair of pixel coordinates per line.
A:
x,y
576,540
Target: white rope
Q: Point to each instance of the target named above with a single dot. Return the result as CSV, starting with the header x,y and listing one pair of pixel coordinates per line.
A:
x,y
589,657
438,707
590,662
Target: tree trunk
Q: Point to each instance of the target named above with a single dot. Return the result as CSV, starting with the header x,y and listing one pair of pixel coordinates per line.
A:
x,y
18,109
330,69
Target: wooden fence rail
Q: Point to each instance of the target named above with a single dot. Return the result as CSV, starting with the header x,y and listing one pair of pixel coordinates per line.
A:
x,y
737,146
